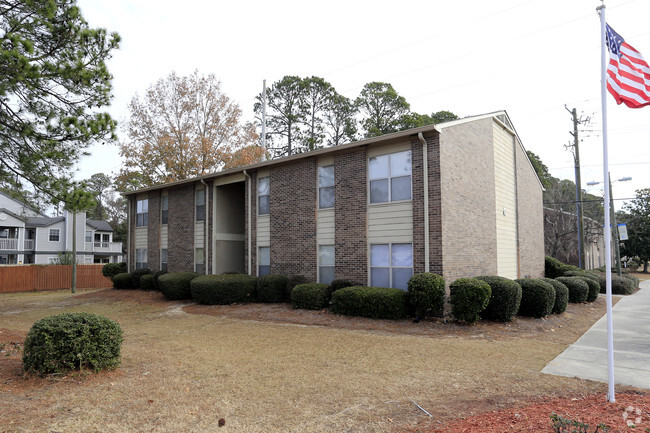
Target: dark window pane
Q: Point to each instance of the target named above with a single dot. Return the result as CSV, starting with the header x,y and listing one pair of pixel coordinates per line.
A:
x,y
164,216
400,188
200,212
326,274
401,277
326,197
379,191
264,270
264,205
380,277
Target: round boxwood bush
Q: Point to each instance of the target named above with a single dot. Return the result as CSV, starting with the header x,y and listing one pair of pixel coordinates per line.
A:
x,y
620,285
293,281
136,275
426,294
72,341
146,282
341,283
537,297
594,287
469,297
223,289
122,281
561,295
176,285
271,288
373,302
635,280
578,288
583,274
313,296
555,268
109,270
505,299
156,275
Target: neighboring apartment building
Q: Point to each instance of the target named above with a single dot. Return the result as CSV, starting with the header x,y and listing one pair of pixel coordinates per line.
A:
x,y
561,238
29,236
371,211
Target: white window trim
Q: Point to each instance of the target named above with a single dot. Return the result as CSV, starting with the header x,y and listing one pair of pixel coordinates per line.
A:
x,y
141,213
58,235
318,260
368,180
319,186
259,247
390,255
265,195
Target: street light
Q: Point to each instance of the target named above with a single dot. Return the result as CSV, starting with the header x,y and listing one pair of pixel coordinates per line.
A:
x,y
614,225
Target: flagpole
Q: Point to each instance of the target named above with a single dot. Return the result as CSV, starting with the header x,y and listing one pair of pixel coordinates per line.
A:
x,y
611,397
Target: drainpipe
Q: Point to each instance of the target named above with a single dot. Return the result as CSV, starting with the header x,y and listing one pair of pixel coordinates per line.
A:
x,y
206,249
425,174
128,235
250,244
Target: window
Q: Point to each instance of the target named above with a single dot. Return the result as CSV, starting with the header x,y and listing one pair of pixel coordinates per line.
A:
x,y
142,213
391,265
390,177
164,206
163,259
326,187
89,236
141,258
54,235
264,258
326,264
199,260
52,260
200,204
263,196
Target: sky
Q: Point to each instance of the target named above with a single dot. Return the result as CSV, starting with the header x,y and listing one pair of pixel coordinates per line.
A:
x,y
531,58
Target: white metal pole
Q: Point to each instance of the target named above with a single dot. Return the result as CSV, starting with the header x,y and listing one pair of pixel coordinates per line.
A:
x,y
607,230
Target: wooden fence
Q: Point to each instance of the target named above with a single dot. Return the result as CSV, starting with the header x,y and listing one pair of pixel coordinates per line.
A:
x,y
24,278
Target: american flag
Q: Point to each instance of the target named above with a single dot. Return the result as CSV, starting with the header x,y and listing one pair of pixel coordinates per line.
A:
x,y
628,75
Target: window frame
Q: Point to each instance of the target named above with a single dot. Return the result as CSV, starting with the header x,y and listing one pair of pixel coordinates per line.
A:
x,y
267,267
267,179
326,187
391,267
163,259
199,209
51,233
389,178
92,236
141,253
321,266
142,212
164,209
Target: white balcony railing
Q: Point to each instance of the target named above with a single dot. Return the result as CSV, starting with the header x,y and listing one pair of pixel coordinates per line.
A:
x,y
107,247
8,244
29,244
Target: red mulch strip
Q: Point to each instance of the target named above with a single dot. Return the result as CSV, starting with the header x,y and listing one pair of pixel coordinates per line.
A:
x,y
591,410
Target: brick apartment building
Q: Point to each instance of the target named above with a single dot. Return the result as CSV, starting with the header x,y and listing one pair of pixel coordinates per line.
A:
x,y
371,211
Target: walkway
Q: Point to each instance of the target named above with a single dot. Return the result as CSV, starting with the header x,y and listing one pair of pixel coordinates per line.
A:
x,y
587,357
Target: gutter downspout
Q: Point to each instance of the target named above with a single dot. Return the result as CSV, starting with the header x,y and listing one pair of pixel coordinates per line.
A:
x,y
250,244
425,174
128,236
206,244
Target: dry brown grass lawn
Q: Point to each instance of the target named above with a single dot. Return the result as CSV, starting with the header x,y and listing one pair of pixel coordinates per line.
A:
x,y
264,369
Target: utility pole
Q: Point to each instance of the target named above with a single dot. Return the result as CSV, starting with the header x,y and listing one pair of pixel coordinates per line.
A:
x,y
617,240
576,159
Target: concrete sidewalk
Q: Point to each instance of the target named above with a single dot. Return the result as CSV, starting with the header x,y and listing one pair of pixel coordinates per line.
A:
x,y
587,357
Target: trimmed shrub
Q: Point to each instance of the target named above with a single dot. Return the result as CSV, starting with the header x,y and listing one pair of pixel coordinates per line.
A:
x,y
109,270
271,288
469,297
373,302
122,281
623,285
537,297
635,281
505,299
578,288
293,281
340,284
555,268
72,341
426,294
223,289
156,275
561,295
136,275
313,296
583,274
594,287
146,282
176,285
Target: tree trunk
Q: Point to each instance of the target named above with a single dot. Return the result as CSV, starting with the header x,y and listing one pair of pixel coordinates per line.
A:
x,y
645,266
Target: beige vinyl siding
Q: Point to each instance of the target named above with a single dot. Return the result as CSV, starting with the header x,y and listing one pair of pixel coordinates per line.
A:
x,y
199,234
390,222
164,236
390,148
506,204
325,227
141,241
263,230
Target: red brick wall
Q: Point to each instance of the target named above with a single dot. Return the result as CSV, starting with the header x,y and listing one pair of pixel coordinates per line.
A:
x,y
153,231
180,226
293,219
435,236
351,248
